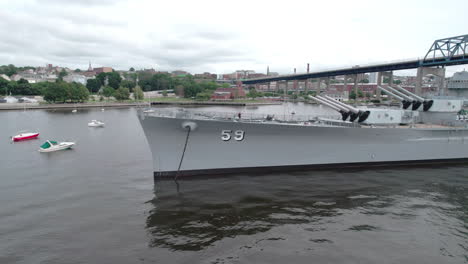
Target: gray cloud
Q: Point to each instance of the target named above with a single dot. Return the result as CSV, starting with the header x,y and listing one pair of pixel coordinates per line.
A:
x,y
210,35
85,3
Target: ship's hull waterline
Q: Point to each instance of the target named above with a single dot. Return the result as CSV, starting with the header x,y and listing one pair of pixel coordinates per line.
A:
x,y
220,147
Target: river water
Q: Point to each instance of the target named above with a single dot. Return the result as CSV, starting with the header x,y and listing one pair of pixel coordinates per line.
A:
x,y
97,203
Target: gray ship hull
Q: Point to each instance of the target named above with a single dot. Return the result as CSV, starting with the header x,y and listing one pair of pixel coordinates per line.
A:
x,y
273,147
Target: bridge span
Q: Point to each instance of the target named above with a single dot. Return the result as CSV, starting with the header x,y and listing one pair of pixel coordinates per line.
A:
x,y
443,52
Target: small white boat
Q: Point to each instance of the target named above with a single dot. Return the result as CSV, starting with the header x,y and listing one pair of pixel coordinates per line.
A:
x,y
95,123
74,111
148,111
50,146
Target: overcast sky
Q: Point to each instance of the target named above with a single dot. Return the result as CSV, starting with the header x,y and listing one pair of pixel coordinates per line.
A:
x,y
223,36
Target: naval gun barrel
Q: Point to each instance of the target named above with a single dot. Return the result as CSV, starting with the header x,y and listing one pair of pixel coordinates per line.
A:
x,y
344,113
325,103
333,102
419,98
350,108
355,113
399,93
427,104
406,103
399,98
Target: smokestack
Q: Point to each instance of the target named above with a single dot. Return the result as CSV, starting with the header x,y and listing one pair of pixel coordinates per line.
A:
x,y
294,70
268,70
307,67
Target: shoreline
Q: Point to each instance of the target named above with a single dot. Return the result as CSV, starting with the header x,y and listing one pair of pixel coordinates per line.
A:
x,y
32,106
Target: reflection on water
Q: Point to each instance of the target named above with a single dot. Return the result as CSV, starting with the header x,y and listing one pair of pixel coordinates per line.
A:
x,y
90,204
329,207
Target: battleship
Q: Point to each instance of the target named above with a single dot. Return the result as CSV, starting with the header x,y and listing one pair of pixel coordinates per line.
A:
x,y
423,131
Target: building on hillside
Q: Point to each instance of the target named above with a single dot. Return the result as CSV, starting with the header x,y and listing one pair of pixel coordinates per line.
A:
x,y
221,95
228,93
242,74
179,73
78,78
206,76
103,69
4,76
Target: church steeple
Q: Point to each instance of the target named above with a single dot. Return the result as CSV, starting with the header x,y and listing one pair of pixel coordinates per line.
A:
x,y
90,69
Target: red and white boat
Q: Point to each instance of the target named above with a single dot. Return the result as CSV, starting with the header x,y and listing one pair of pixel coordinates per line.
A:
x,y
25,136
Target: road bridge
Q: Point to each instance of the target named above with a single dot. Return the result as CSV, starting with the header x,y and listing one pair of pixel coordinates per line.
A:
x,y
443,52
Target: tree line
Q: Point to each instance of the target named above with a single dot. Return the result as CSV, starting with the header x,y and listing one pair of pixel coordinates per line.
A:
x,y
56,92
111,84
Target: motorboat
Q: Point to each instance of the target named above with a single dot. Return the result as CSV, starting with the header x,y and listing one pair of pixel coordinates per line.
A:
x,y
24,136
95,123
74,111
50,146
148,111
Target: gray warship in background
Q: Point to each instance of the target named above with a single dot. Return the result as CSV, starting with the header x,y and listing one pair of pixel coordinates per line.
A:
x,y
186,143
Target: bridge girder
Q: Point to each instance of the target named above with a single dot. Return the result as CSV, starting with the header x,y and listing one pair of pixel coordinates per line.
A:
x,y
447,49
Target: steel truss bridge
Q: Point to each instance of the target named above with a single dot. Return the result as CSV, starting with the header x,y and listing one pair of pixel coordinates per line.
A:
x,y
443,52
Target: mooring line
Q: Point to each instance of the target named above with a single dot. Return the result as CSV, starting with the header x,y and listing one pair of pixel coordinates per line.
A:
x,y
183,153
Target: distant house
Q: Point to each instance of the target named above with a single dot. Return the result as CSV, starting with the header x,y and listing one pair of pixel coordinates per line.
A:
x,y
78,78
220,95
5,77
102,69
179,73
228,93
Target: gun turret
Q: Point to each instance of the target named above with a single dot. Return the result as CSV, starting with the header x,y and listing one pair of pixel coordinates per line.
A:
x,y
427,104
355,113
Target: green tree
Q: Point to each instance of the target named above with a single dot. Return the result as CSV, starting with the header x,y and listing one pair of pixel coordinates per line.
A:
x,y
8,70
191,88
209,86
203,96
360,94
56,92
77,92
132,69
164,93
253,93
161,81
128,84
108,91
122,93
40,87
114,79
138,93
62,74
93,85
101,77
3,86
23,87
77,70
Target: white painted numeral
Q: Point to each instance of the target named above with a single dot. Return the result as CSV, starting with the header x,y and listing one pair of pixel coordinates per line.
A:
x,y
238,135
226,135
